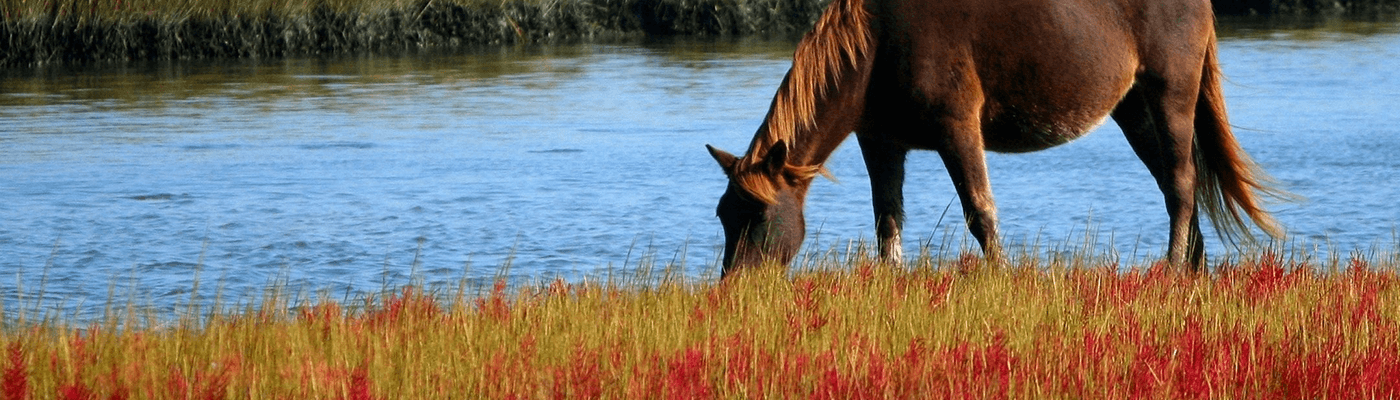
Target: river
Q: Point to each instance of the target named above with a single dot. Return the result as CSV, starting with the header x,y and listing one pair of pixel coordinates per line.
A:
x,y
581,161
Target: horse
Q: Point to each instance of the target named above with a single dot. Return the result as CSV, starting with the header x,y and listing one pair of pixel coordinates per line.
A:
x,y
963,77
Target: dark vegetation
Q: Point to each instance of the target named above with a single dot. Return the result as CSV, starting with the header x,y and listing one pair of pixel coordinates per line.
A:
x,y
35,32
1306,7
68,31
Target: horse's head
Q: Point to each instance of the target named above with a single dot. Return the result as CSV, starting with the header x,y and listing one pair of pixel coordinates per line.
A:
x,y
762,209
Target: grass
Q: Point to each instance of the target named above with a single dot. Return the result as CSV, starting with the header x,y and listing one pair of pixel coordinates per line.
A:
x,y
36,32
1263,326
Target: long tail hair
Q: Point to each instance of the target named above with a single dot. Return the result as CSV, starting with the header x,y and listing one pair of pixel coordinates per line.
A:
x,y
1228,182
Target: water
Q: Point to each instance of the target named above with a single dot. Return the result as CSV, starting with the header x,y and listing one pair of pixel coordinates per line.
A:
x,y
577,161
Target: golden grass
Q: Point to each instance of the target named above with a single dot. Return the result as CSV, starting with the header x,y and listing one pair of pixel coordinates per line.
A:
x,y
1260,327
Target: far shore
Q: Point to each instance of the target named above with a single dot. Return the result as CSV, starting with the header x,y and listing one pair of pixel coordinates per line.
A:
x,y
75,32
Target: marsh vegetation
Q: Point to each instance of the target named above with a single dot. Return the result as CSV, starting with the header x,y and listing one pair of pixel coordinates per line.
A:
x,y
1266,325
72,31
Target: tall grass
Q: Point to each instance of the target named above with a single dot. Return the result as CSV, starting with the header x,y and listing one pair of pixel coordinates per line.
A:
x,y
73,31
1263,326
36,32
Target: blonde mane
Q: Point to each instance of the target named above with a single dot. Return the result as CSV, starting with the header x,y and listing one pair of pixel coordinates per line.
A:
x,y
841,35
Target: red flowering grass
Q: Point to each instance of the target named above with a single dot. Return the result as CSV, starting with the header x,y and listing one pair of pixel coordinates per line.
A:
x,y
15,384
1261,328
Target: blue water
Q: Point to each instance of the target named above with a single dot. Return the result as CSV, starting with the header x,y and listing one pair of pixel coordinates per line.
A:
x,y
577,161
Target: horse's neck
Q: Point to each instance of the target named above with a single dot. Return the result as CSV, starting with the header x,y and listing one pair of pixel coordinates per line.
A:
x,y
814,146
807,146
820,99
811,140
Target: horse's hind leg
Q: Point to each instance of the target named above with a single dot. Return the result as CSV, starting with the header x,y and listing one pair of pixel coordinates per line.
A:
x,y
964,154
885,162
1164,141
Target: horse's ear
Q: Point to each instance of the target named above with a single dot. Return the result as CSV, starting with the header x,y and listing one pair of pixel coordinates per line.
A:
x,y
776,160
726,160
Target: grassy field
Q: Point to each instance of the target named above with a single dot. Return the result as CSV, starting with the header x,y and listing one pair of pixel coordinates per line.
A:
x,y
37,32
1265,326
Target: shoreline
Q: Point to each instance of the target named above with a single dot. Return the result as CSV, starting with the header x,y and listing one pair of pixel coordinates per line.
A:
x,y
74,32
79,34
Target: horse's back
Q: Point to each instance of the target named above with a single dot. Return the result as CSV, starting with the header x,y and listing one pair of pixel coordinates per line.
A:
x,y
1035,73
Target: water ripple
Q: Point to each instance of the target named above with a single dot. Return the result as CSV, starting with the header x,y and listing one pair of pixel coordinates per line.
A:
x,y
571,165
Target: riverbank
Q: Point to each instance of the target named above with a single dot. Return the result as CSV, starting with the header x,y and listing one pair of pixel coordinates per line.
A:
x,y
1306,7
35,32
69,31
1263,326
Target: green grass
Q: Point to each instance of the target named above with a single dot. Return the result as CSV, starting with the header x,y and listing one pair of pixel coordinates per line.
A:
x,y
944,326
37,32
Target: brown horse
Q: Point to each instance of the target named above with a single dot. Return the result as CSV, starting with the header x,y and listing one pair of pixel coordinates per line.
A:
x,y
961,77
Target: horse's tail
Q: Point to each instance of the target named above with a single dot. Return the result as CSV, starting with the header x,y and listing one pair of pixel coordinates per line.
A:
x,y
1228,182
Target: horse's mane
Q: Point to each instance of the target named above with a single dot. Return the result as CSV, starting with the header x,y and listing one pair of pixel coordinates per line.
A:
x,y
841,35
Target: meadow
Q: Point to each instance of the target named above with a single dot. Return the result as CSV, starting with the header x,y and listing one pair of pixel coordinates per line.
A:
x,y
1265,325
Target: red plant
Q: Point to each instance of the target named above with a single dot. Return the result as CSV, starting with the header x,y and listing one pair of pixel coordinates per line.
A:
x,y
1268,277
686,378
559,288
76,391
580,378
967,263
411,304
831,385
16,376
176,386
359,384
212,385
938,289
1191,364
495,306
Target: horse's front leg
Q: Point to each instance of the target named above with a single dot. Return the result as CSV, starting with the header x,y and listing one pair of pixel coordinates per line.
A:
x,y
885,162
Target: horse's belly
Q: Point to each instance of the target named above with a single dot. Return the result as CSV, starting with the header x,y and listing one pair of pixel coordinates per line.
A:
x,y
1016,132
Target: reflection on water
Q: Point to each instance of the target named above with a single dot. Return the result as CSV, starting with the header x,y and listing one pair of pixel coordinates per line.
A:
x,y
578,160
150,84
1307,28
